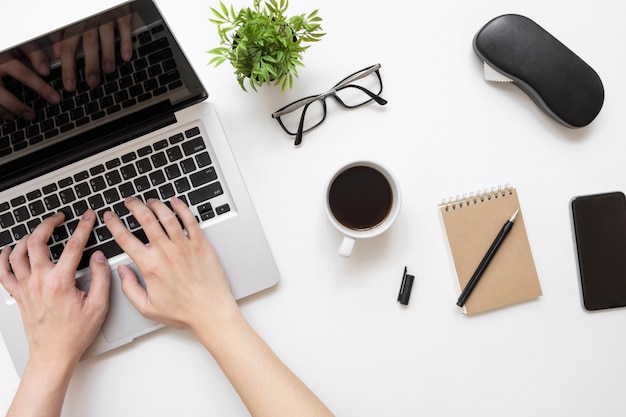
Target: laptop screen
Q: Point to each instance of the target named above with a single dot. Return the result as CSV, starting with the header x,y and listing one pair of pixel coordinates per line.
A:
x,y
89,86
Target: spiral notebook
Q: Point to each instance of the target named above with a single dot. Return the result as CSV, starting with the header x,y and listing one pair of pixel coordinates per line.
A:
x,y
471,224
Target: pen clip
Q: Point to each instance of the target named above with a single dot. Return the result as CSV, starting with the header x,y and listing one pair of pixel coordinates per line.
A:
x,y
405,288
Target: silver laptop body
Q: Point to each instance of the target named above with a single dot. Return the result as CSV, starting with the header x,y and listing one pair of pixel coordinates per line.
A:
x,y
149,134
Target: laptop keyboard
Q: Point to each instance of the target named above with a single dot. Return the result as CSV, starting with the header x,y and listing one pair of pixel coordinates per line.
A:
x,y
150,73
179,165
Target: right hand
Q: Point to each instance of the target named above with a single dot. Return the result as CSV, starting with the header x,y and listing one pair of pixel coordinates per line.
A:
x,y
186,286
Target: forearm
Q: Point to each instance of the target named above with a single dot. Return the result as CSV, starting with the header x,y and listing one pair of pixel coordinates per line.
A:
x,y
42,390
264,383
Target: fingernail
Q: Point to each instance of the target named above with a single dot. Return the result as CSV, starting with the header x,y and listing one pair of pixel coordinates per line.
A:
x,y
54,98
88,215
128,54
107,216
69,84
44,69
93,80
99,257
108,67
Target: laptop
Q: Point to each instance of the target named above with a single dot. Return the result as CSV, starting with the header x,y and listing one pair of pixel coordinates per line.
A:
x,y
146,130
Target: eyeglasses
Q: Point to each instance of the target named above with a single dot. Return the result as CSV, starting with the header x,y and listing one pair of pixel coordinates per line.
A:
x,y
353,91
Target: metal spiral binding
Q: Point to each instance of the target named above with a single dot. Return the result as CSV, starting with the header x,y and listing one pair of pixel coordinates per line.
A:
x,y
479,196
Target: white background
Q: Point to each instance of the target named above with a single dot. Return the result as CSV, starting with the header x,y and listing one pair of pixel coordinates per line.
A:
x,y
445,132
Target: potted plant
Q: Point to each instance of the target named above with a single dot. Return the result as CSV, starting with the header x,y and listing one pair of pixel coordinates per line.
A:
x,y
262,43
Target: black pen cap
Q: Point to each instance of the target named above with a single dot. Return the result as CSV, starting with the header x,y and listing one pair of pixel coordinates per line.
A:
x,y
405,289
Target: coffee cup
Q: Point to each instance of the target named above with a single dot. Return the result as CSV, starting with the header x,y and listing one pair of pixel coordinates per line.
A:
x,y
363,200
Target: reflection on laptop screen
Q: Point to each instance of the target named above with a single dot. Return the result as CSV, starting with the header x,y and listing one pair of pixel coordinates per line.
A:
x,y
139,94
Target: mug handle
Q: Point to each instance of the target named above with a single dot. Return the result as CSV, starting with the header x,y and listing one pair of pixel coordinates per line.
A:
x,y
346,246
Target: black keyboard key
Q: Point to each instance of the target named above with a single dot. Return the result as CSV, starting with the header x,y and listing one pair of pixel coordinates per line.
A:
x,y
203,159
67,196
71,226
52,202
97,184
128,172
96,201
19,232
158,159
126,189
142,184
113,163
143,166
5,238
120,209
166,191
113,178
176,138
203,177
82,190
66,182
193,146
83,175
172,172
98,169
157,178
21,214
146,150
67,211
80,207
18,201
4,206
161,144
182,185
224,208
194,131
132,223
103,234
150,194
205,193
174,154
49,188
60,233
36,208
33,195
126,158
188,165
111,196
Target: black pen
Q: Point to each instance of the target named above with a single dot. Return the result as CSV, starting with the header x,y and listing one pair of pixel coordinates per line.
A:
x,y
488,256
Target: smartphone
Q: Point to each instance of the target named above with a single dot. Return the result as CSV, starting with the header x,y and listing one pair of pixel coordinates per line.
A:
x,y
600,233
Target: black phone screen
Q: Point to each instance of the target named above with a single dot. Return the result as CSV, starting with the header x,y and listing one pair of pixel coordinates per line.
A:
x,y
600,234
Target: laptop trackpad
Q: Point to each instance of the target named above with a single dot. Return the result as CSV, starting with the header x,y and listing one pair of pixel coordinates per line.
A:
x,y
122,320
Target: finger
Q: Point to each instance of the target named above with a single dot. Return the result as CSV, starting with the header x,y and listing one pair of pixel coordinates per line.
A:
x,y
186,216
146,219
37,242
73,251
18,259
98,297
91,52
7,279
107,44
14,107
126,39
127,241
39,61
30,78
133,290
168,220
68,62
55,40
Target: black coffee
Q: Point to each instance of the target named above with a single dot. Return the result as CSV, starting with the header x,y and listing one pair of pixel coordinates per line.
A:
x,y
360,198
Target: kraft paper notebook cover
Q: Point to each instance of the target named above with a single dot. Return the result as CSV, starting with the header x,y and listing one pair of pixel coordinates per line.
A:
x,y
471,224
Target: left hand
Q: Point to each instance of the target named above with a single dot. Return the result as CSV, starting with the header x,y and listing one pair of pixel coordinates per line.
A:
x,y
60,320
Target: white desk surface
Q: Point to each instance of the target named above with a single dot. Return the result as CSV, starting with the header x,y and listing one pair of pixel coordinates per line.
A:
x,y
445,132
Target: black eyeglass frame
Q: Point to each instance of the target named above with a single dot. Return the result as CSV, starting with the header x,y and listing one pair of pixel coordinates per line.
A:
x,y
343,84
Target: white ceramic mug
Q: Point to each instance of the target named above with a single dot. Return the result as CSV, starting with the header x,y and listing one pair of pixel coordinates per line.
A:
x,y
363,200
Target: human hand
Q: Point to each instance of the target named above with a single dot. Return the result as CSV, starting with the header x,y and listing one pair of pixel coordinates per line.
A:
x,y
60,320
185,283
98,46
11,106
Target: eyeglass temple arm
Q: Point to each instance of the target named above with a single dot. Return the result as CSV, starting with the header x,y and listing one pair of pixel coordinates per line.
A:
x,y
358,75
